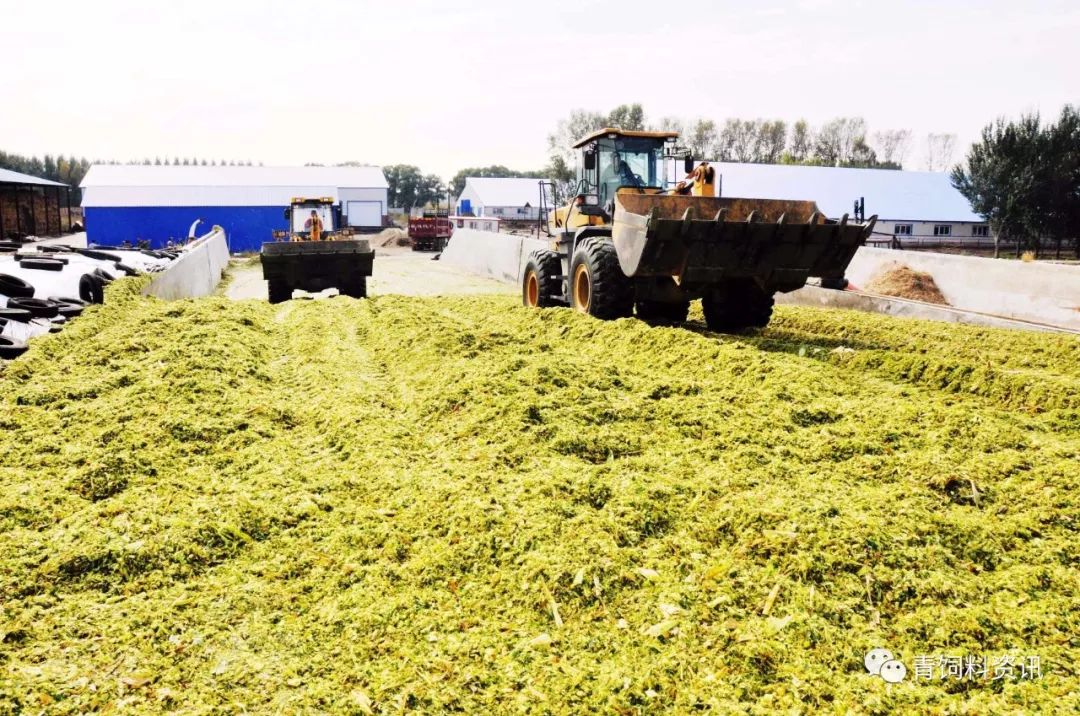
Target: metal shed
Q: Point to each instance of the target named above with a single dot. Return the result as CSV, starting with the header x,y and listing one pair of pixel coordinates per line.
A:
x,y
159,203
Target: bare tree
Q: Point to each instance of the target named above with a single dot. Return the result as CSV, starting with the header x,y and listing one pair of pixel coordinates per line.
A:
x,y
771,138
570,130
671,124
801,142
701,138
939,151
841,141
738,140
891,145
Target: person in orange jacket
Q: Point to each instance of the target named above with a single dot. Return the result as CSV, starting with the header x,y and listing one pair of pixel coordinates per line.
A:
x,y
314,225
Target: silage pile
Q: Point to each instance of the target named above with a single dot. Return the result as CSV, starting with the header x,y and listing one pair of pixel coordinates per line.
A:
x,y
421,505
902,281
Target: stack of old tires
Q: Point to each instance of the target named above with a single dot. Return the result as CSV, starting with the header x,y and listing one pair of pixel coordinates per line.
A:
x,y
40,291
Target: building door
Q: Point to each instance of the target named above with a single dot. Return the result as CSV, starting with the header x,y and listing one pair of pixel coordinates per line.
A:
x,y
364,214
27,225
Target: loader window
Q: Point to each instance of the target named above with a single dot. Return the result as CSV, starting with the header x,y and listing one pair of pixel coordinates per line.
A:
x,y
301,216
628,162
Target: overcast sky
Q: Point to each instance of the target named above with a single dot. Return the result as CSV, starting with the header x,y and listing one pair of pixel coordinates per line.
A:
x,y
448,85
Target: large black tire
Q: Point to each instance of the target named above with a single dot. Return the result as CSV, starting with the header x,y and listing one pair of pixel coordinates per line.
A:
x,y
279,292
541,285
659,312
97,255
91,288
598,285
14,287
38,307
16,315
42,264
355,287
69,299
70,310
737,306
11,348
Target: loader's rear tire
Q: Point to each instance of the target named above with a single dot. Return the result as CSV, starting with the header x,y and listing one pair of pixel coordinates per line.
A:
x,y
598,285
737,306
279,292
355,287
660,312
541,286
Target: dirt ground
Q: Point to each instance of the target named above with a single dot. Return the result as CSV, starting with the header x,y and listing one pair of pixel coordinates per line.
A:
x,y
397,271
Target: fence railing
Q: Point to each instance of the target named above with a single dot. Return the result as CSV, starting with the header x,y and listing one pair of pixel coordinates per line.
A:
x,y
978,243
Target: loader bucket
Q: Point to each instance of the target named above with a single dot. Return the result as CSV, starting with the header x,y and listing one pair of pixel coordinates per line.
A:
x,y
705,240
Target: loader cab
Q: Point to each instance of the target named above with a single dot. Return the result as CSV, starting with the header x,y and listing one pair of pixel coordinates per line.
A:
x,y
613,158
298,214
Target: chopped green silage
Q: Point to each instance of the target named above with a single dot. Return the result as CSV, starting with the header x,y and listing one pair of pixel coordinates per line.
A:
x,y
428,505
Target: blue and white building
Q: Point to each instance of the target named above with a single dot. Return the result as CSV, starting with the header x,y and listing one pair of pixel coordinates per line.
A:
x,y
159,203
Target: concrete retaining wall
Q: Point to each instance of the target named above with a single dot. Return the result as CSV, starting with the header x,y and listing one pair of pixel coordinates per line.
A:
x,y
196,273
498,256
1035,291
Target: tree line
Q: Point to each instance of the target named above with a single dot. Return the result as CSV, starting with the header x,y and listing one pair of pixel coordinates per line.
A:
x,y
410,187
72,170
841,142
1024,177
67,170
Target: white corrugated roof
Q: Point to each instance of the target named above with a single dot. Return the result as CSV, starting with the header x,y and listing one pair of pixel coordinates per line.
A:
x,y
8,176
892,195
113,175
491,191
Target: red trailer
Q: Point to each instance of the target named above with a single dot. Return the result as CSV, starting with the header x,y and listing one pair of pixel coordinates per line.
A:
x,y
431,231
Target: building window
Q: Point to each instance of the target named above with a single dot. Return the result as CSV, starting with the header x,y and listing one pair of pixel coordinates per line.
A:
x,y
980,231
942,229
496,211
902,229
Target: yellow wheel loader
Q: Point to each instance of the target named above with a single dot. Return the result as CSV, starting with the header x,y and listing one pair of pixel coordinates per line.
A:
x,y
627,242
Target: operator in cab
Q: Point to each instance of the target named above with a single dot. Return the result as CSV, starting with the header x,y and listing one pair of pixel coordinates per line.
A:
x,y
315,226
619,172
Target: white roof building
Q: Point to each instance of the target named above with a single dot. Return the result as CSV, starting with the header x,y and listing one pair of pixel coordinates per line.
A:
x,y
504,198
142,185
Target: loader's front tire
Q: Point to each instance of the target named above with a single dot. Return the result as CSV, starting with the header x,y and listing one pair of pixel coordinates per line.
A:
x,y
660,312
598,285
737,306
541,285
278,292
